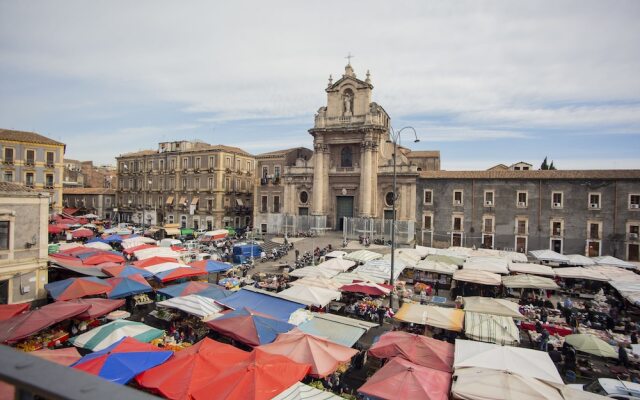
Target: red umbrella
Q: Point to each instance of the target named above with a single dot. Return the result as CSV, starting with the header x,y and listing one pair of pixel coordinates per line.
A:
x,y
98,307
24,325
55,229
191,369
11,310
368,288
143,246
153,261
101,258
401,379
66,356
260,376
418,349
82,233
74,288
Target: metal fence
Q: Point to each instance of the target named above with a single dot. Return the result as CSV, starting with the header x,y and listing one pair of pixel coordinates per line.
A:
x,y
281,224
379,229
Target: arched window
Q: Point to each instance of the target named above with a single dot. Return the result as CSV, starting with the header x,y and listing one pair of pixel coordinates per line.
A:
x,y
346,157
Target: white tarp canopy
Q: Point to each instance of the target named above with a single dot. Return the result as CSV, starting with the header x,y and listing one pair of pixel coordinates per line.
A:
x,y
579,259
530,268
318,282
549,256
439,317
337,264
490,264
336,254
346,278
362,256
408,256
614,273
155,252
615,262
480,277
514,256
193,304
99,246
529,282
166,266
483,383
580,273
382,269
630,290
488,305
136,241
436,267
310,295
525,362
313,271
491,328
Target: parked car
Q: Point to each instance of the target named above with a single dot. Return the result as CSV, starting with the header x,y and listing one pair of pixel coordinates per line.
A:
x,y
612,388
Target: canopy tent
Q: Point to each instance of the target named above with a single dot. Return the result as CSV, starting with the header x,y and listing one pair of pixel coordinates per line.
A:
x,y
310,295
362,256
323,355
483,383
64,356
549,256
154,261
259,376
529,281
337,264
488,264
313,272
346,278
132,250
31,322
480,277
418,349
190,369
74,288
488,305
103,257
630,290
580,273
156,252
300,391
513,256
77,267
262,303
166,272
401,379
338,329
407,256
335,254
204,289
317,282
98,246
612,261
127,286
194,304
211,266
491,328
381,269
119,271
526,362
123,360
82,233
446,259
104,336
591,344
437,267
249,327
137,241
614,273
55,229
446,318
11,310
530,268
368,288
97,307
580,260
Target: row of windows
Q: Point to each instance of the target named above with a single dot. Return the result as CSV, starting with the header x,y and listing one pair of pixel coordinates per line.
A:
x,y
160,201
187,162
594,200
265,171
29,178
187,184
9,154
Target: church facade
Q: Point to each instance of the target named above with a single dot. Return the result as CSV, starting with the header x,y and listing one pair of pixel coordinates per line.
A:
x,y
350,172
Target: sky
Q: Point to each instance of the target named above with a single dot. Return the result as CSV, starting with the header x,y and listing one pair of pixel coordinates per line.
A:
x,y
484,82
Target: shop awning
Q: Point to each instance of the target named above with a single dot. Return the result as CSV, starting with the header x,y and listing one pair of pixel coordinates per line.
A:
x,y
170,200
480,277
529,282
530,268
239,202
194,201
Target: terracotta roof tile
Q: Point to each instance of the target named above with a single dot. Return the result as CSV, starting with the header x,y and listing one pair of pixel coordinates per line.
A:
x,y
88,191
29,137
14,187
535,174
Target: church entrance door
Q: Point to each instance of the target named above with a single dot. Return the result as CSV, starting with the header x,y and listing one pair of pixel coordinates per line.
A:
x,y
344,208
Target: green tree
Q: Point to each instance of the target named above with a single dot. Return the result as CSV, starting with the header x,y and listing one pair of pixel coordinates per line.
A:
x,y
544,165
551,166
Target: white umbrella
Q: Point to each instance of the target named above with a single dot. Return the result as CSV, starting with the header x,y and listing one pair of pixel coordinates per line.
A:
x,y
98,245
530,268
580,273
488,305
310,295
491,328
317,282
361,256
436,267
480,277
313,271
483,383
615,262
337,264
549,256
529,281
490,264
163,267
579,259
200,306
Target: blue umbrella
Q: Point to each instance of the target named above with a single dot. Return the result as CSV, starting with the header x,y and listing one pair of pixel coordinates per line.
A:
x,y
211,265
249,327
97,239
113,238
123,360
127,286
193,287
119,271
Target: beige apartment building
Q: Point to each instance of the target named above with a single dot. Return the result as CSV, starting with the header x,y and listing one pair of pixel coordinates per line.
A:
x,y
190,183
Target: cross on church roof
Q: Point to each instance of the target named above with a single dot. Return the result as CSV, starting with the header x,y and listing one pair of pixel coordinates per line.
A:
x,y
349,57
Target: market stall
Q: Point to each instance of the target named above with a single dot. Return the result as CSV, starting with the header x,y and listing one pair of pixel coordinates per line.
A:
x,y
249,327
418,349
491,328
450,319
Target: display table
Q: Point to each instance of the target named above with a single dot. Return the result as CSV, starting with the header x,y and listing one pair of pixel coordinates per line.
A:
x,y
552,329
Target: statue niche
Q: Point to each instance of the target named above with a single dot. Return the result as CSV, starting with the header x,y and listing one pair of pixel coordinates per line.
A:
x,y
347,102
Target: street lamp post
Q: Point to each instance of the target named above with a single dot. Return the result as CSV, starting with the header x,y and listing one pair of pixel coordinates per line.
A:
x,y
394,137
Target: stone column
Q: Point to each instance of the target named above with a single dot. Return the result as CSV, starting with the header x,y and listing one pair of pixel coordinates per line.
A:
x,y
373,210
318,179
412,202
365,180
326,163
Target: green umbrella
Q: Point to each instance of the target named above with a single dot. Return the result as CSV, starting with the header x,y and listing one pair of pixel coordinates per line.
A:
x,y
592,345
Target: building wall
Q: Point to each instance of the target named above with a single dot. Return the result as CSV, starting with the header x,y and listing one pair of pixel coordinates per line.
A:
x,y
40,170
23,268
575,213
101,204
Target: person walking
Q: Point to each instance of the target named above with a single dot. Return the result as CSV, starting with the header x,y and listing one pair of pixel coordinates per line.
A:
x,y
381,313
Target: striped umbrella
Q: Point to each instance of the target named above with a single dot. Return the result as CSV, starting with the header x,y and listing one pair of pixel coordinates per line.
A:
x,y
104,336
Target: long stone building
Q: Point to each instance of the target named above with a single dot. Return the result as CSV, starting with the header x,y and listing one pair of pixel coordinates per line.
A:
x,y
194,184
